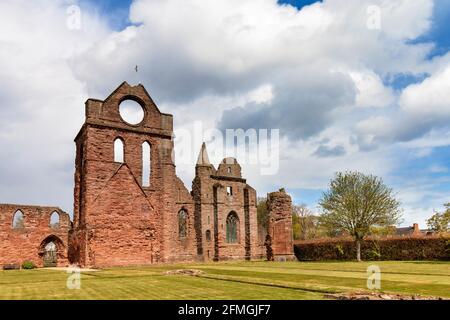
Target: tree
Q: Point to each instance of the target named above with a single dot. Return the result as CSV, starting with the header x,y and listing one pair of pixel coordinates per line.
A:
x,y
440,222
305,223
262,212
382,231
356,202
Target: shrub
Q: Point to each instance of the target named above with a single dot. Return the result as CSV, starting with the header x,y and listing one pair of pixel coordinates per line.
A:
x,y
28,265
447,249
400,248
374,252
340,251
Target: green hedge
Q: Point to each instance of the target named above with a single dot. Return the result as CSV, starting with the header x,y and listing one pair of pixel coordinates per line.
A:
x,y
411,248
28,265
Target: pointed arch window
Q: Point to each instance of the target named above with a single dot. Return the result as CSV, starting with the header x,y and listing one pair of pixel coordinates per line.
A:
x,y
118,150
54,220
182,223
18,221
146,163
232,228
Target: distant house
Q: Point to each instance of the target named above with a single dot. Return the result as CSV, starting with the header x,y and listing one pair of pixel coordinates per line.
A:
x,y
414,230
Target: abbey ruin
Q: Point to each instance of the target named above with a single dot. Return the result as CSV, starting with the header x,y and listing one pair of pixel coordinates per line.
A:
x,y
126,215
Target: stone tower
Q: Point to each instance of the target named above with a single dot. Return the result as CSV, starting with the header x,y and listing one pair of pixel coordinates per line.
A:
x,y
122,214
225,211
279,205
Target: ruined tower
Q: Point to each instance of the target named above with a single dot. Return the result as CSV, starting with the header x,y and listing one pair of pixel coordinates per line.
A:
x,y
130,207
279,205
225,211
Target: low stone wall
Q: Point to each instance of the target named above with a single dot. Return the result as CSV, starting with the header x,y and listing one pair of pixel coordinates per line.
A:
x,y
28,242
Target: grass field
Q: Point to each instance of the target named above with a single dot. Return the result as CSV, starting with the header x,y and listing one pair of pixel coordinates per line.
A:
x,y
229,280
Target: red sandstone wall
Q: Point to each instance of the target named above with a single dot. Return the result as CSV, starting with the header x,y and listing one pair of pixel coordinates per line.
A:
x,y
19,245
279,205
206,179
118,221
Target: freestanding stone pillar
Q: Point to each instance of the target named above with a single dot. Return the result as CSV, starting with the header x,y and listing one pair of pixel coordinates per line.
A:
x,y
279,205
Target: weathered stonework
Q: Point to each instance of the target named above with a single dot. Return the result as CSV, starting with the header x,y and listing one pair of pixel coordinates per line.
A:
x,y
28,243
279,205
214,203
117,220
120,221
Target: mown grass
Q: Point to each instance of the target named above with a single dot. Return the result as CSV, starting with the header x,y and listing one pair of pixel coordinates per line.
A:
x,y
229,280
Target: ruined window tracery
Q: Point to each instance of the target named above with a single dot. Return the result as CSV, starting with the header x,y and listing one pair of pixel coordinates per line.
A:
x,y
232,228
182,223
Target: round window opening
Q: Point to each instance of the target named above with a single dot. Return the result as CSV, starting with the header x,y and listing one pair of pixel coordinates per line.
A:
x,y
131,111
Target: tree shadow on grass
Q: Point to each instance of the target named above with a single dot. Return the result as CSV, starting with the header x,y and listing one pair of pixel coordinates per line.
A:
x,y
429,262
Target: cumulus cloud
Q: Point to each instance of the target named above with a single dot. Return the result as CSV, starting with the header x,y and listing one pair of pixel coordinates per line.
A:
x,y
41,101
326,151
319,74
189,48
430,98
301,107
422,108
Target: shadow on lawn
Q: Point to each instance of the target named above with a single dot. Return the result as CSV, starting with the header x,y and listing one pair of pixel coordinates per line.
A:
x,y
428,262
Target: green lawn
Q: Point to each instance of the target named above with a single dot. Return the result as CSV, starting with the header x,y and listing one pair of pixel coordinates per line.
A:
x,y
229,280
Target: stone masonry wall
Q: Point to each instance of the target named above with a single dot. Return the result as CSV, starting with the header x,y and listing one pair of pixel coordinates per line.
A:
x,y
119,221
214,204
27,243
279,205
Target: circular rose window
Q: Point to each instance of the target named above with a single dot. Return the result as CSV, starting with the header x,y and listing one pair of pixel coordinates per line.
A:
x,y
131,112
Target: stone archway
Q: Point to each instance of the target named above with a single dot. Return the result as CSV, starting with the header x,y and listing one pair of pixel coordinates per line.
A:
x,y
50,256
50,249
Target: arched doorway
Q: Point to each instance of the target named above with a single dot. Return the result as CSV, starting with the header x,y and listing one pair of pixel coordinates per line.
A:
x,y
50,256
50,249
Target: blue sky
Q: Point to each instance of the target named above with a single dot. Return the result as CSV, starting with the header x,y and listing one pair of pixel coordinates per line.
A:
x,y
344,97
115,11
297,3
440,31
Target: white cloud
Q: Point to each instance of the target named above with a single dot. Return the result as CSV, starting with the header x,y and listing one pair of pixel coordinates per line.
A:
x,y
429,98
371,90
41,102
188,48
